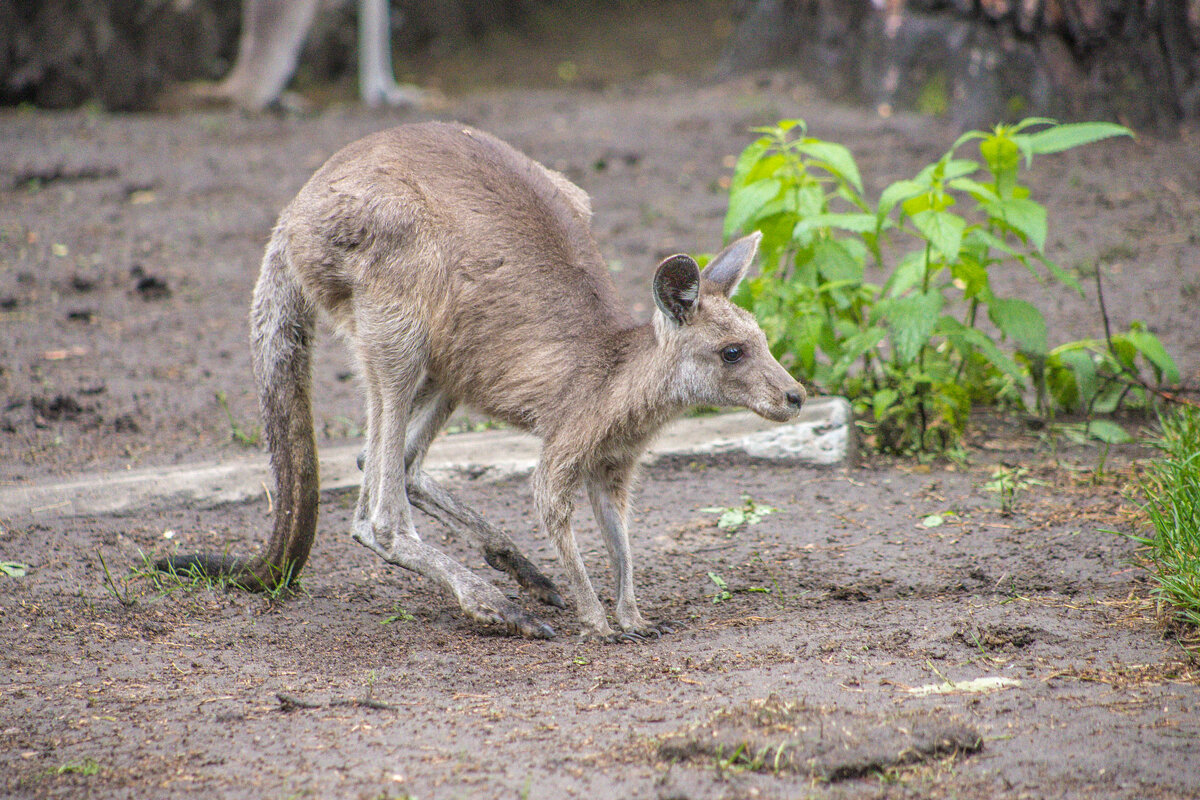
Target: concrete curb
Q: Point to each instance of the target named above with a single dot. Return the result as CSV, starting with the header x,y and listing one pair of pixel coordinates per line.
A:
x,y
822,435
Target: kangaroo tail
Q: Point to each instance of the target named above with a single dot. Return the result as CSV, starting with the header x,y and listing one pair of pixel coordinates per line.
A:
x,y
281,328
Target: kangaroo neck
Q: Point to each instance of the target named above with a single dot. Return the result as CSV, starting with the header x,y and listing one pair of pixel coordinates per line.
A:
x,y
636,396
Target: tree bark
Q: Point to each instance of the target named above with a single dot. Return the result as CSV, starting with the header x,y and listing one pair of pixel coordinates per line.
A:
x,y
982,61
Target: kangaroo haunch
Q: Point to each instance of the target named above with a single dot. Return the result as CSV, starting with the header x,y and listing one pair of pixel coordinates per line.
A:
x,y
459,271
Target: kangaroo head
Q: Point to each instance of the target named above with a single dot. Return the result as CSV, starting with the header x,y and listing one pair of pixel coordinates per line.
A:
x,y
720,354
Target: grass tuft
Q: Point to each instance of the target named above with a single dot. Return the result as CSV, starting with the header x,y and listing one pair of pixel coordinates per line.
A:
x,y
1171,486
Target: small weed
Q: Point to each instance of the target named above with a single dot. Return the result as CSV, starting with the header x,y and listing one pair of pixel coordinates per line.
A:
x,y
87,766
1008,482
399,614
246,438
723,592
121,595
734,518
14,569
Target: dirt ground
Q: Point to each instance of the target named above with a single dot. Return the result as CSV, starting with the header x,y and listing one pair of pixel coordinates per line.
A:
x,y
129,247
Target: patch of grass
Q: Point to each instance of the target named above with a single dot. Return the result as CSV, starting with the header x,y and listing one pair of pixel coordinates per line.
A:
x,y
1171,486
247,437
146,579
87,766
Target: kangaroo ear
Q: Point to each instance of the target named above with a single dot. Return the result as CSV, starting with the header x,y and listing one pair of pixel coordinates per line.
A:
x,y
677,287
728,267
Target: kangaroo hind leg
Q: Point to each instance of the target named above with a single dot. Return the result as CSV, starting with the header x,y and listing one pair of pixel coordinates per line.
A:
x,y
394,369
431,410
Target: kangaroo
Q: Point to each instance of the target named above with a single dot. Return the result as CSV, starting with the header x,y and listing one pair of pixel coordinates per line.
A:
x,y
460,271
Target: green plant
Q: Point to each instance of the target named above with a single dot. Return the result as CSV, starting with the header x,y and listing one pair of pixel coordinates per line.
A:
x,y
121,595
1008,482
14,569
909,348
87,766
1171,487
734,518
723,592
244,437
399,614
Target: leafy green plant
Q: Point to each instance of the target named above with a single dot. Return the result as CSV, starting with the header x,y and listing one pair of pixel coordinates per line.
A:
x,y
1008,482
734,518
399,614
884,301
723,592
1171,487
14,569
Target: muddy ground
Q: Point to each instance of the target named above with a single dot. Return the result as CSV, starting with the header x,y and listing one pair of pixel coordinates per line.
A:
x,y
129,248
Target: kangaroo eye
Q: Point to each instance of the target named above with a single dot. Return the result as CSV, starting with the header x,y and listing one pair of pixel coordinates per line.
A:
x,y
731,354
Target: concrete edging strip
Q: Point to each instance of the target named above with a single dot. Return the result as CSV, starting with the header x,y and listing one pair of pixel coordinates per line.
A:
x,y
822,435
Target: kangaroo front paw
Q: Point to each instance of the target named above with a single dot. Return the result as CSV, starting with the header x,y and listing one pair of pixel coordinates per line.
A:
x,y
646,630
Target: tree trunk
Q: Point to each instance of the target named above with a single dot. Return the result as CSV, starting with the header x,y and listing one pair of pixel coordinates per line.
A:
x,y
122,53
982,61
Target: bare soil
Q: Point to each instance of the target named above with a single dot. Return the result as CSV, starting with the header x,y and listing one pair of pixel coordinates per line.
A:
x,y
129,248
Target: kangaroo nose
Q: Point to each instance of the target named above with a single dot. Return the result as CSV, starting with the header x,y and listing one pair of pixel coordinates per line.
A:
x,y
796,398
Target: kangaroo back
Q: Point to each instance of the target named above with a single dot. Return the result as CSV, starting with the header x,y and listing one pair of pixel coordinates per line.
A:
x,y
485,255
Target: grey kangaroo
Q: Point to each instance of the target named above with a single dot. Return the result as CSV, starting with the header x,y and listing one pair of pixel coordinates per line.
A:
x,y
459,271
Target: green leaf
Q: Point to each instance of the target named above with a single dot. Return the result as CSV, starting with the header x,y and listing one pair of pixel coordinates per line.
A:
x,y
1060,274
955,169
1021,322
1083,368
972,274
837,160
966,339
855,223
1024,216
853,348
943,230
1108,431
1150,347
748,159
979,191
907,274
745,203
1064,137
1003,159
897,193
911,320
14,569
882,400
835,262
